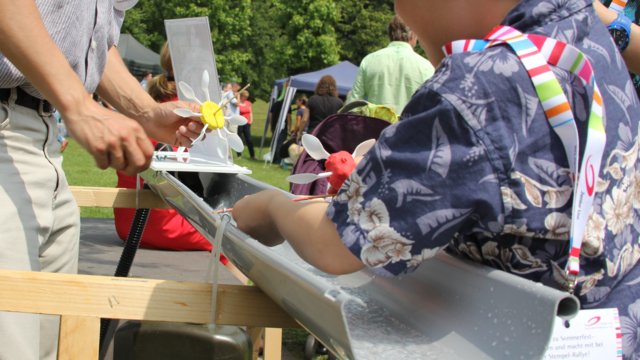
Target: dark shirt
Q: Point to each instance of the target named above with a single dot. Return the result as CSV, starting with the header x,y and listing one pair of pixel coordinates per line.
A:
x,y
321,106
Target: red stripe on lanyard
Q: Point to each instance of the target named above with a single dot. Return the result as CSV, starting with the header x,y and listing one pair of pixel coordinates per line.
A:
x,y
538,71
557,52
466,45
448,48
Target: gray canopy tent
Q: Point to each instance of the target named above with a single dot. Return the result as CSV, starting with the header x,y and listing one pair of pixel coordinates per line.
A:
x,y
137,57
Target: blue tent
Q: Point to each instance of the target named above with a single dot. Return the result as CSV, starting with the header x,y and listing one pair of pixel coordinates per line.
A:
x,y
344,73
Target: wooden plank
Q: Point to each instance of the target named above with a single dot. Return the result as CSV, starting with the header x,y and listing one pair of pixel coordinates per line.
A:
x,y
272,344
234,299
137,299
79,337
116,198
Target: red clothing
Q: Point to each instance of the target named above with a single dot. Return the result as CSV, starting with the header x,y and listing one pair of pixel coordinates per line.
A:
x,y
245,110
165,228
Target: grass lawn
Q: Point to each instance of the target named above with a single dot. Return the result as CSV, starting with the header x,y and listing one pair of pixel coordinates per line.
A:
x,y
82,171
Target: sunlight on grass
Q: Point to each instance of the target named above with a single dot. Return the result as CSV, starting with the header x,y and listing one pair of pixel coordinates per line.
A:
x,y
81,170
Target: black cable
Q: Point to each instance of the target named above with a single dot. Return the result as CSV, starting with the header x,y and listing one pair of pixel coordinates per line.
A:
x,y
107,326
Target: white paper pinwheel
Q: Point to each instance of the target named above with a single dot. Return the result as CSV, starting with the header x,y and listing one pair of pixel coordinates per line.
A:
x,y
211,115
339,164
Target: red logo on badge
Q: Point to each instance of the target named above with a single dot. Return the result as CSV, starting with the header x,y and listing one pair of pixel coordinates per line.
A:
x,y
589,177
594,320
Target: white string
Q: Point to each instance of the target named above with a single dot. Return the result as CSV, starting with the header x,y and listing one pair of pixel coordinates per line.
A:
x,y
137,189
214,265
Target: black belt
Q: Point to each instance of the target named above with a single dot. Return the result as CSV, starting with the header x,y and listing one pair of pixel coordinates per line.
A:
x,y
27,100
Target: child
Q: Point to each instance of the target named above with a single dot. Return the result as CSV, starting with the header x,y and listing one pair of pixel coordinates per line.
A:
x,y
474,166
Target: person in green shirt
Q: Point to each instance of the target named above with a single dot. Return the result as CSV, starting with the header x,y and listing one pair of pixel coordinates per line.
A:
x,y
391,75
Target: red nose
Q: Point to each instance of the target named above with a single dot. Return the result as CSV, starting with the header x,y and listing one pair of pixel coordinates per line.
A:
x,y
340,165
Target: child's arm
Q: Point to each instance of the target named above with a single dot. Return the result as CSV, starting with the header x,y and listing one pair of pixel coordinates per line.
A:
x,y
270,217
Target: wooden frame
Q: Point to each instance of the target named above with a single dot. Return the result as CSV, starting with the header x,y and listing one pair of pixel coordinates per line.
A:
x,y
82,300
116,198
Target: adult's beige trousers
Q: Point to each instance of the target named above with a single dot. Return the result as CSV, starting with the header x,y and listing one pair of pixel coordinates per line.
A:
x,y
39,221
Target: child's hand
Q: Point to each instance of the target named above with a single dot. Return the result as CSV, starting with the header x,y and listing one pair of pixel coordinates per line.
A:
x,y
253,216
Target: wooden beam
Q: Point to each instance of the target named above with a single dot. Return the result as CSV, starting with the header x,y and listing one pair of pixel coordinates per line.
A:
x,y
116,198
272,343
137,299
79,337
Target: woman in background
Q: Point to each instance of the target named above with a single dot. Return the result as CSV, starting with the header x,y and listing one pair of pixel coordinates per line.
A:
x,y
244,105
323,102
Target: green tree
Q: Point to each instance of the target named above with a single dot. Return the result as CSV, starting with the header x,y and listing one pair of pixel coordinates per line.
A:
x,y
146,20
363,27
260,41
309,26
270,47
230,25
230,31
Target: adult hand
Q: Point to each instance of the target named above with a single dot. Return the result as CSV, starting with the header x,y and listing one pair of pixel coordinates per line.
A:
x,y
110,137
253,217
162,124
123,91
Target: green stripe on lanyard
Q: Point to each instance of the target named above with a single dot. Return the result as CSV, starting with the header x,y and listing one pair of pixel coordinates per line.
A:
x,y
577,63
536,52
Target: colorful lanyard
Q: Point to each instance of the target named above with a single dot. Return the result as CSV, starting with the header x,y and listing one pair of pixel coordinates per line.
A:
x,y
618,6
535,53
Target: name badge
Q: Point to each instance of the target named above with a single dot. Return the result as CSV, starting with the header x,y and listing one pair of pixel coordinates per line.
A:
x,y
592,335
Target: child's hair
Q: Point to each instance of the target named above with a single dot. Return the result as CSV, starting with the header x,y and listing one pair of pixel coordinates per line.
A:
x,y
398,30
303,99
163,87
244,93
327,85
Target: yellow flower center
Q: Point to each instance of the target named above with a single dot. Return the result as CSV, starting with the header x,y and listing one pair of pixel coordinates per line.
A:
x,y
212,115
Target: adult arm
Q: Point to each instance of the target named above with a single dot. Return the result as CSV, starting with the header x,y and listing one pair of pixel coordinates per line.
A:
x,y
122,90
631,54
112,139
270,216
